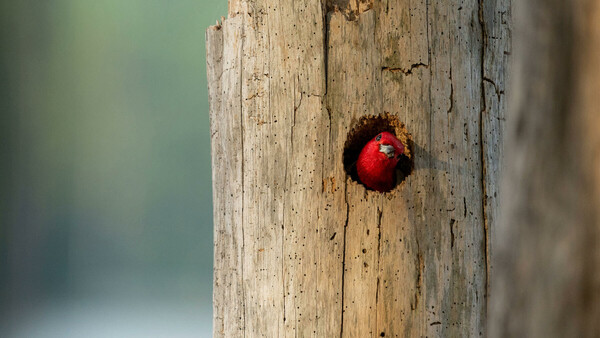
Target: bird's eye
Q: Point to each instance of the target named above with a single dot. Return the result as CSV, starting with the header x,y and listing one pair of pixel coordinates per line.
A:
x,y
378,138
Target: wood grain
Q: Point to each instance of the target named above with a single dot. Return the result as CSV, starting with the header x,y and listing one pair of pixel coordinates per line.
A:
x,y
301,249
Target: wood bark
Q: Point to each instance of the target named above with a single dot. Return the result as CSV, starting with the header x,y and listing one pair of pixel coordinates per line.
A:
x,y
301,249
546,281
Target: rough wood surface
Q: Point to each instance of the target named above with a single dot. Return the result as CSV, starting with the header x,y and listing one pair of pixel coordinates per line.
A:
x,y
547,251
300,248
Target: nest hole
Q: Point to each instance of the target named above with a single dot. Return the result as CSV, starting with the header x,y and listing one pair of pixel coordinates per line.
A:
x,y
367,128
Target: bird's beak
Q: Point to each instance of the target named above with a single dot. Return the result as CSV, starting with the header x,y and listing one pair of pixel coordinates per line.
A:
x,y
387,149
399,147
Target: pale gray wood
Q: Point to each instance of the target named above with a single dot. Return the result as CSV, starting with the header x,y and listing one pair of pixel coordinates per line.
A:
x,y
224,97
546,279
496,19
306,250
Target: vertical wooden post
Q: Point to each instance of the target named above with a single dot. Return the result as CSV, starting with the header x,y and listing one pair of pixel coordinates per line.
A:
x,y
301,249
546,281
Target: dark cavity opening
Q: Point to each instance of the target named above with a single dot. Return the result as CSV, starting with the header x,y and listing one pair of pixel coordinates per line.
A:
x,y
366,129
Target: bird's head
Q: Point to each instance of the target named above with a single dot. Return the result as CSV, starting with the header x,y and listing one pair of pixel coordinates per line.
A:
x,y
389,146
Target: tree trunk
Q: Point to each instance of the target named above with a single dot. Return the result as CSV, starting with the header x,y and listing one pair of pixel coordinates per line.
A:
x,y
546,281
302,248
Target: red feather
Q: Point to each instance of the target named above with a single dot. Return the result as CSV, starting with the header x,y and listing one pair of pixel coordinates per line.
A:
x,y
376,169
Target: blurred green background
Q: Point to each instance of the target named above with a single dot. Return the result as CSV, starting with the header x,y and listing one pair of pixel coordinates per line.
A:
x,y
105,207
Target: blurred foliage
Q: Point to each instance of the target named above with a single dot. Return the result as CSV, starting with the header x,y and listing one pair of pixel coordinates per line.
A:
x,y
105,173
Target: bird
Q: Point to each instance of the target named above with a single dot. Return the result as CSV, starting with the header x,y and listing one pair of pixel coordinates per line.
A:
x,y
376,164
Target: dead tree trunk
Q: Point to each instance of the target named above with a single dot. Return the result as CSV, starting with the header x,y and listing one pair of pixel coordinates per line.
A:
x,y
546,280
303,249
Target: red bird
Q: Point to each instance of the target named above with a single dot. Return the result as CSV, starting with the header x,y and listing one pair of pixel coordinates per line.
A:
x,y
376,165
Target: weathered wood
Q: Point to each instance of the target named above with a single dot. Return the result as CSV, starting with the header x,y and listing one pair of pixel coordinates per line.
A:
x,y
226,130
301,249
547,251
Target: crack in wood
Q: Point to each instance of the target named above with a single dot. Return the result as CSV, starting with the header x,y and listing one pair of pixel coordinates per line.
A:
x,y
452,221
344,256
451,93
419,278
405,71
482,147
379,216
242,176
498,91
